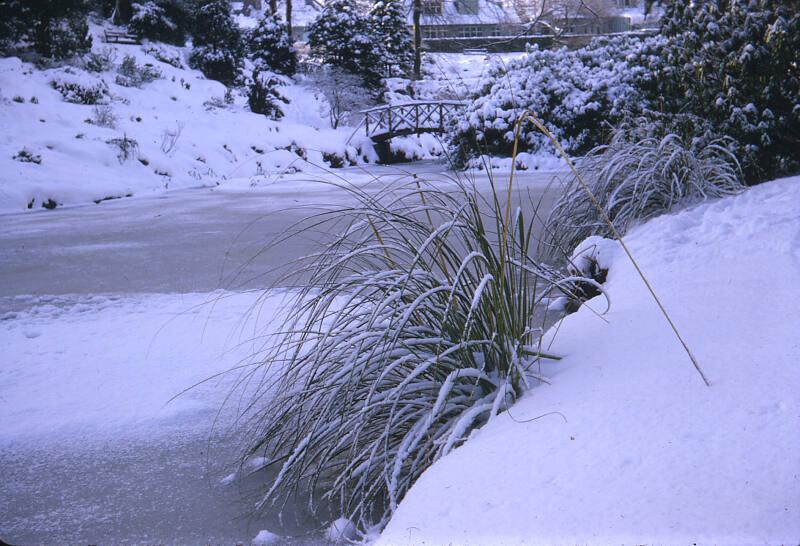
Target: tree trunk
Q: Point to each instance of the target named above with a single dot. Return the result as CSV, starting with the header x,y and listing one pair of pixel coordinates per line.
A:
x,y
122,12
417,40
273,6
289,19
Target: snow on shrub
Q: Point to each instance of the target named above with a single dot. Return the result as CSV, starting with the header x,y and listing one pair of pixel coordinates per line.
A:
x,y
130,74
635,177
80,88
150,20
573,92
263,95
418,324
735,65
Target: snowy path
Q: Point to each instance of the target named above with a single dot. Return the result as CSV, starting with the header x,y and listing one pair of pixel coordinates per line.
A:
x,y
106,313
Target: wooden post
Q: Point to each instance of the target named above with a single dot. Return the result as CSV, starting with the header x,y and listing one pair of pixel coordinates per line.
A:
x,y
416,118
366,122
441,117
389,116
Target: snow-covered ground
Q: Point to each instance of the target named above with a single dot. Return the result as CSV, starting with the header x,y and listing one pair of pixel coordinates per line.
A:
x,y
627,445
185,134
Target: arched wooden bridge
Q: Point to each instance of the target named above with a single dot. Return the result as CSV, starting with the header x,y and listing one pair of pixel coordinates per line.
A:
x,y
409,118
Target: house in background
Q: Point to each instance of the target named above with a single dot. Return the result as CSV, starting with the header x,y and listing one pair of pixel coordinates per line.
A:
x,y
453,25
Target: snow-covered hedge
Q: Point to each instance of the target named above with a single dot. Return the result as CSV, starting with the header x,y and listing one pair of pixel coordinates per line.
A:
x,y
575,93
733,65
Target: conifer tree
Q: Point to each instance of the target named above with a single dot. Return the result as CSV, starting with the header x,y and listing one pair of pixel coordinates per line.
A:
x,y
341,37
217,42
270,48
391,35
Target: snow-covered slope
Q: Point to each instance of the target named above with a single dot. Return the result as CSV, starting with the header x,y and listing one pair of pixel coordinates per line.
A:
x,y
185,135
627,445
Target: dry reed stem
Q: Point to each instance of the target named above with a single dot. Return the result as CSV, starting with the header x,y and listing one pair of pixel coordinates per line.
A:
x,y
540,126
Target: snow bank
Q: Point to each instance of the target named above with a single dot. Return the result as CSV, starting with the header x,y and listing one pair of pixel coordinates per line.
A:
x,y
79,161
627,445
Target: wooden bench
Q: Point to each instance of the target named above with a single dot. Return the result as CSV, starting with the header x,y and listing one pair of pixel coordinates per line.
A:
x,y
476,51
120,37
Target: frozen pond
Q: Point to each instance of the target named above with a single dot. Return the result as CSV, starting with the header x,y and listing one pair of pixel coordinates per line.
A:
x,y
108,311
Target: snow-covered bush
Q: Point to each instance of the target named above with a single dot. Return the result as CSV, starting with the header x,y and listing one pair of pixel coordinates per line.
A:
x,y
130,74
387,20
270,47
100,61
416,326
150,20
56,30
635,177
735,65
341,36
103,116
575,93
80,90
217,42
263,95
165,55
344,93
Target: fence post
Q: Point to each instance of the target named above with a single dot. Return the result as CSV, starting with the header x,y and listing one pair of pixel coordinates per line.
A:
x,y
441,117
416,118
366,122
389,116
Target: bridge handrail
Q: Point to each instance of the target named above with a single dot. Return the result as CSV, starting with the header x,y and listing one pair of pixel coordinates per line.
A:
x,y
415,103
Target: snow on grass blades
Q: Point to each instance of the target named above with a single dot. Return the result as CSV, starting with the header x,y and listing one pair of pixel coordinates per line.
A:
x,y
417,325
635,177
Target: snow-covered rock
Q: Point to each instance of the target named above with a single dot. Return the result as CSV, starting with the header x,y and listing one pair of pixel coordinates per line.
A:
x,y
266,538
341,530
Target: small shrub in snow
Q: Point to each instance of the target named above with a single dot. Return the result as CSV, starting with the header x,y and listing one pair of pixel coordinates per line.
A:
x,y
130,74
104,116
127,148
170,138
341,530
80,90
635,177
25,156
270,47
217,42
344,93
417,325
263,95
170,57
18,99
101,60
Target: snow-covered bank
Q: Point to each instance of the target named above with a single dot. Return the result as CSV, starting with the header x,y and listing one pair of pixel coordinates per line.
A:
x,y
176,131
627,444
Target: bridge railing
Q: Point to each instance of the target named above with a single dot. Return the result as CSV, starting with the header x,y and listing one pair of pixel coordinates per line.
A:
x,y
385,122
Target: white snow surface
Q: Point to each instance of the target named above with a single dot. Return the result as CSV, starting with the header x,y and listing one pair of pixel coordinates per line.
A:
x,y
109,364
79,165
627,445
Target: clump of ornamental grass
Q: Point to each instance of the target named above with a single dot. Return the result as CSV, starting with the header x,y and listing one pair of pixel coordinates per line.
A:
x,y
635,177
421,320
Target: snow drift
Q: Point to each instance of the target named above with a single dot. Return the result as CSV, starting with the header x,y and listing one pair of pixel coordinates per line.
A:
x,y
627,443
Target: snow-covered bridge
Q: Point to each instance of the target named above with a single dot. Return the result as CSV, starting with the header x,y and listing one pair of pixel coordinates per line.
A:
x,y
385,122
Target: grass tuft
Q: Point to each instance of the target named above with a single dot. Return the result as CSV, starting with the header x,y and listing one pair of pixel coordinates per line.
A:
x,y
421,320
